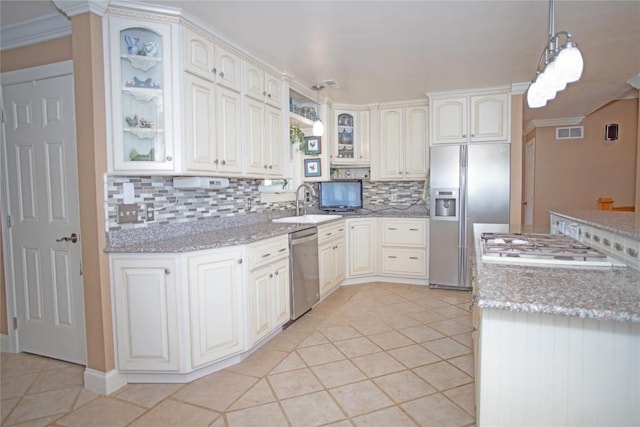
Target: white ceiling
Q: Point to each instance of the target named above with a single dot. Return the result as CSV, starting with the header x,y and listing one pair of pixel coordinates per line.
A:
x,y
399,50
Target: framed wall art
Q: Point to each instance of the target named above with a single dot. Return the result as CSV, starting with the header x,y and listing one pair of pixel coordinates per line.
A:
x,y
311,167
313,146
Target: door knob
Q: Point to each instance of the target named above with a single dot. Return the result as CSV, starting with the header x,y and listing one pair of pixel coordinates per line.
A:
x,y
73,238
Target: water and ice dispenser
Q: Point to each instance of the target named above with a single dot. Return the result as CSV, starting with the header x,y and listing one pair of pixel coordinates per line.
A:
x,y
444,204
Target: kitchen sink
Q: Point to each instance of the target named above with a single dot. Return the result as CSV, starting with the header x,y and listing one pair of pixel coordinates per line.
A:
x,y
306,219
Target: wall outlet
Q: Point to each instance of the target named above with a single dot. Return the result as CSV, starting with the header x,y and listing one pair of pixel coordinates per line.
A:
x,y
127,213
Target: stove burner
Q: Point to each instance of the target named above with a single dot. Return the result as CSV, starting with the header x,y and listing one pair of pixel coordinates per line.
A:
x,y
540,249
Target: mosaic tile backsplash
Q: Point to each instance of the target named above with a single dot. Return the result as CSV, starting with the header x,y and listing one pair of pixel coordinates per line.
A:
x,y
240,198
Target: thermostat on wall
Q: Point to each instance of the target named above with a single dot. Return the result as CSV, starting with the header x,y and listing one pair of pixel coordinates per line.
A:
x,y
195,182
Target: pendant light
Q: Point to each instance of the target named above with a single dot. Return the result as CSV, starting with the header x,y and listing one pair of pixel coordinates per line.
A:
x,y
318,127
559,64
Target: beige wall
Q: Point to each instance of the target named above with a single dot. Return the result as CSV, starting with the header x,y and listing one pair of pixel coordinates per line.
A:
x,y
517,150
85,48
575,173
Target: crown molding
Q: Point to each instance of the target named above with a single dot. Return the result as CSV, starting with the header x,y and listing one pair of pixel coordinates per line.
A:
x,y
519,88
634,81
35,30
76,7
564,121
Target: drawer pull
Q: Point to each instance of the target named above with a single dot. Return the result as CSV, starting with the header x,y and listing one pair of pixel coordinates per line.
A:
x,y
282,250
271,276
392,256
328,234
392,228
239,260
277,272
167,271
341,229
413,257
413,229
266,255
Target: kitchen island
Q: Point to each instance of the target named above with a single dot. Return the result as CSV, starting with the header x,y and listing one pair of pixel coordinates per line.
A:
x,y
555,345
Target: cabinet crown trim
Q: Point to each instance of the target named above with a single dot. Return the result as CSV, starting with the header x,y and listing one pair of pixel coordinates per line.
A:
x,y
469,92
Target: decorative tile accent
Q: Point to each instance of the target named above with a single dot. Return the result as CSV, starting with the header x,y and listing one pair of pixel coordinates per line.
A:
x,y
240,199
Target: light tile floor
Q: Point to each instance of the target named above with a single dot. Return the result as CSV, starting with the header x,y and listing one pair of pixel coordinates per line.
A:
x,y
378,354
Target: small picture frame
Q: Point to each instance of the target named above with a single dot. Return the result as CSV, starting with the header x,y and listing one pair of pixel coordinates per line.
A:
x,y
312,145
312,167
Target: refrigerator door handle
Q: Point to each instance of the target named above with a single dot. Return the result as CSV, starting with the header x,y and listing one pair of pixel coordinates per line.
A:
x,y
462,222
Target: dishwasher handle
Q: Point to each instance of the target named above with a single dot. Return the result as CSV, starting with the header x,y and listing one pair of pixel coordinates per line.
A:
x,y
298,241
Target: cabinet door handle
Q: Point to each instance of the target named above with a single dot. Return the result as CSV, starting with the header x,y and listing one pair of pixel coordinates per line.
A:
x,y
169,158
270,166
413,229
215,162
413,257
221,74
167,271
239,260
392,228
265,166
392,256
277,272
269,96
282,250
335,247
341,229
214,70
266,255
264,92
270,275
328,234
223,162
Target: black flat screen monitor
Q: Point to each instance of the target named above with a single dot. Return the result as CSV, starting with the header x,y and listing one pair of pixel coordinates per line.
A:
x,y
340,196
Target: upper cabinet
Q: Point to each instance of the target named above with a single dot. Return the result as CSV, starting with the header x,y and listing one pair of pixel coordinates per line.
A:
x,y
351,137
212,107
212,62
262,85
142,107
403,150
477,117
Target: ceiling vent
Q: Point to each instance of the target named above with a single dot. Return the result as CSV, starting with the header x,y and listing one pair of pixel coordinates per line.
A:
x,y
574,132
332,84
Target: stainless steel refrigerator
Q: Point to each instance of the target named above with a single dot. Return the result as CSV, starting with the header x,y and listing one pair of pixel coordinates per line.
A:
x,y
469,184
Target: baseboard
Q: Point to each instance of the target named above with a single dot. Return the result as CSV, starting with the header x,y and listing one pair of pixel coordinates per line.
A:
x,y
103,382
5,345
385,279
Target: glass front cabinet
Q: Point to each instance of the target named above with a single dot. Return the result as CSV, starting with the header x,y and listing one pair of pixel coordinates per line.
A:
x,y
351,137
141,91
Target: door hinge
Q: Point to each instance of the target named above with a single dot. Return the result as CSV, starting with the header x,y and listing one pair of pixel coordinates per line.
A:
x,y
2,115
81,268
15,323
8,221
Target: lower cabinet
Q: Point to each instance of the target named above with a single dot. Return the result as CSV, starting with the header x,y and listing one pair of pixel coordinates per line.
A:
x,y
362,240
331,257
269,293
215,306
146,313
404,247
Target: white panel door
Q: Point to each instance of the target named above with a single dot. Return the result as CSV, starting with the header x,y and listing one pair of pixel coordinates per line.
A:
x,y
281,304
255,136
275,141
391,143
361,244
416,149
215,301
260,295
529,182
449,121
200,124
229,138
43,193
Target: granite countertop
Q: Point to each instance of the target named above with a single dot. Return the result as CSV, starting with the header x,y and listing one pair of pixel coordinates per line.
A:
x,y
623,223
597,293
225,232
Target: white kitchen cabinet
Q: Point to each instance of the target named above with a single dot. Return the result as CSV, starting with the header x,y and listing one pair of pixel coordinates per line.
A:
x,y
404,150
404,247
146,313
262,85
351,138
331,257
212,117
362,239
269,293
142,78
263,139
216,305
210,61
477,117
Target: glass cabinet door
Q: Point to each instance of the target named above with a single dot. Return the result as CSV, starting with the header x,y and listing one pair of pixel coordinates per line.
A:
x,y
345,139
141,102
142,90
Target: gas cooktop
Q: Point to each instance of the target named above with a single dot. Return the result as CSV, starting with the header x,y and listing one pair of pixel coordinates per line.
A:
x,y
541,249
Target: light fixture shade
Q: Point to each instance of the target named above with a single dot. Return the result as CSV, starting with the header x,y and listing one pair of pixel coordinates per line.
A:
x,y
535,97
318,128
545,85
555,77
570,63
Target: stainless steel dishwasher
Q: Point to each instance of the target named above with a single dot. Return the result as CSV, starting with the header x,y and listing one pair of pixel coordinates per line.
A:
x,y
303,265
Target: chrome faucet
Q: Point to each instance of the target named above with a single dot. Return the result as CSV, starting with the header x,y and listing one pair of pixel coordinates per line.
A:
x,y
311,189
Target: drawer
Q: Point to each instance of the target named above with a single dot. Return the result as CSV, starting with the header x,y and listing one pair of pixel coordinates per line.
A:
x,y
264,252
331,231
407,232
404,262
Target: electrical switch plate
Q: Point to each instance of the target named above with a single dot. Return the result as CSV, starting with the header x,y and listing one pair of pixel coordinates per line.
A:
x,y
127,213
149,212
